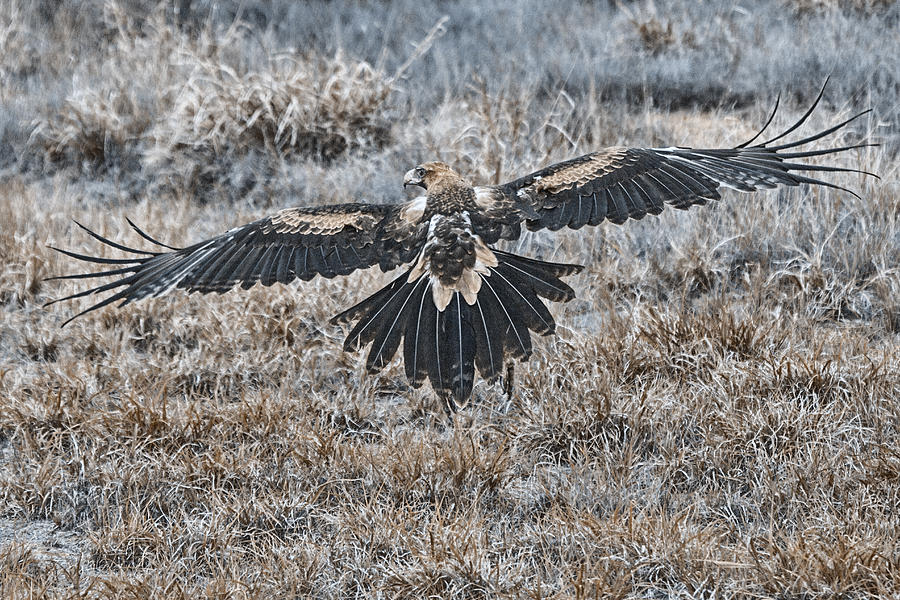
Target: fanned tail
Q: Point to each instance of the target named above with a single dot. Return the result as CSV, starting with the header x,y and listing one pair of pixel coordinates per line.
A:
x,y
446,346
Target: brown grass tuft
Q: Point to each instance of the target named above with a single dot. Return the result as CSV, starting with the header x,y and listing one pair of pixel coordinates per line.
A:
x,y
318,107
170,96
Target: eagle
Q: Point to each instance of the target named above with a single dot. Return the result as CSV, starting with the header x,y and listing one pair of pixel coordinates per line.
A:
x,y
461,304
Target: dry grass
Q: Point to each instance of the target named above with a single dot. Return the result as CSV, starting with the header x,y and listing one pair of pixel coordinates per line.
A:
x,y
718,416
187,103
862,7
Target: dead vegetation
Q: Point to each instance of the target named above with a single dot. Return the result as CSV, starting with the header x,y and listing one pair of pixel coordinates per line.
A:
x,y
179,101
718,416
866,8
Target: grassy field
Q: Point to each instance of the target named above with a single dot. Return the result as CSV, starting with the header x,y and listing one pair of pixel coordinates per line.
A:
x,y
718,415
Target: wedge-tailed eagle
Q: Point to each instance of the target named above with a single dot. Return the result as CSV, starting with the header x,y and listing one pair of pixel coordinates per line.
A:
x,y
460,304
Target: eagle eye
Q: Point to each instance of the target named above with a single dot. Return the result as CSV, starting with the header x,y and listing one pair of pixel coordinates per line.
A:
x,y
420,172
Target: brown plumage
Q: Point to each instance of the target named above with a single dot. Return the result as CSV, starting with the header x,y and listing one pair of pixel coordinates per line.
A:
x,y
461,305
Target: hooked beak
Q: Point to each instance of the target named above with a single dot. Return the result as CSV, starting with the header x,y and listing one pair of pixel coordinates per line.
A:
x,y
411,179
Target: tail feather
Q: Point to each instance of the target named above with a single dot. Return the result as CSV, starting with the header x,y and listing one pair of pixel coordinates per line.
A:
x,y
387,335
539,266
426,358
543,277
456,347
489,338
367,305
367,313
514,332
524,301
447,346
414,351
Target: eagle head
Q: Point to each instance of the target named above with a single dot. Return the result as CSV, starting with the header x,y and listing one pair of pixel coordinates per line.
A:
x,y
427,174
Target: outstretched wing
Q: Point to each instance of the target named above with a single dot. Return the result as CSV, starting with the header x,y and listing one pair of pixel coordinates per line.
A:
x,y
622,183
293,243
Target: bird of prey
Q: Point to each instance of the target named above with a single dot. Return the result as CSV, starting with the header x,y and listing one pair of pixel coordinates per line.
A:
x,y
461,303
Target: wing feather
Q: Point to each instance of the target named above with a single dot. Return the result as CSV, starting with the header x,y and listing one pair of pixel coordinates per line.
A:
x,y
219,271
600,208
582,212
287,256
649,194
247,273
293,243
636,207
621,183
315,261
618,213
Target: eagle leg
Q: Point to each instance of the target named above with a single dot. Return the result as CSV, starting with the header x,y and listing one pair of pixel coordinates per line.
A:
x,y
508,381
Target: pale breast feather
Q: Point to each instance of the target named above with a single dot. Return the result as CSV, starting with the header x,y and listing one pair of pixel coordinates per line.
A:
x,y
413,211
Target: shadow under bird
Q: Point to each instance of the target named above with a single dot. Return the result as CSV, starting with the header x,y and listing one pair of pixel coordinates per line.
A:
x,y
461,303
